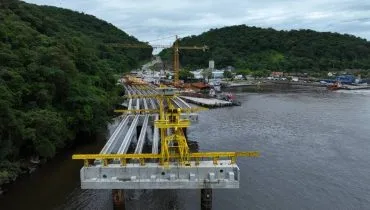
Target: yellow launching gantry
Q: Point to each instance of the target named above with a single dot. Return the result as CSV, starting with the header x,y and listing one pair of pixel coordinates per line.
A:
x,y
174,147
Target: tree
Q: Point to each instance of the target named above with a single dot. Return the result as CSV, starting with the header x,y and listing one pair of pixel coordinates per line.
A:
x,y
227,74
258,74
56,79
185,75
207,73
244,73
289,51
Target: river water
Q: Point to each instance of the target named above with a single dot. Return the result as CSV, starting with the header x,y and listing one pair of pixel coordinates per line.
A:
x,y
315,154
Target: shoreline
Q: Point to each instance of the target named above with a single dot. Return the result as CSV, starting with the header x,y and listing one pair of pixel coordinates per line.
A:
x,y
276,86
27,168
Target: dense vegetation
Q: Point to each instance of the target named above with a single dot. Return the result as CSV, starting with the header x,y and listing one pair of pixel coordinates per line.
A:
x,y
267,49
56,79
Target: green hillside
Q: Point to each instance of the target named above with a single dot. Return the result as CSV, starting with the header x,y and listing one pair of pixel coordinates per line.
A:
x,y
267,49
56,79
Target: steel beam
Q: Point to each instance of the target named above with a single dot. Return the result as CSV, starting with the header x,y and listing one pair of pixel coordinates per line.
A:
x,y
130,104
130,133
145,103
112,142
138,104
140,142
183,102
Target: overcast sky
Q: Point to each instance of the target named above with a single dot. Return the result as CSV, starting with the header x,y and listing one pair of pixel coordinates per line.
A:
x,y
153,19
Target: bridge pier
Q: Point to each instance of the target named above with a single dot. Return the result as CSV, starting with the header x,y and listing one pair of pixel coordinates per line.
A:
x,y
206,199
118,197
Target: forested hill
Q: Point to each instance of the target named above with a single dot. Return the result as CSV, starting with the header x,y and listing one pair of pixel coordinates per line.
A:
x,y
56,79
267,49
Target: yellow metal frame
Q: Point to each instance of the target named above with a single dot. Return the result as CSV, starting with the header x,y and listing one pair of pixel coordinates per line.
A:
x,y
142,157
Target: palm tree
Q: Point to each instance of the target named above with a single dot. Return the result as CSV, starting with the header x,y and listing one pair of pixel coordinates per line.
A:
x,y
207,73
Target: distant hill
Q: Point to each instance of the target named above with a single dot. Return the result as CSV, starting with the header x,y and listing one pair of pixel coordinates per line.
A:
x,y
267,49
56,79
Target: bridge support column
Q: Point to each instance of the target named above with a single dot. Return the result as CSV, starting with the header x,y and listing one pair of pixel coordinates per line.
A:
x,y
206,199
118,199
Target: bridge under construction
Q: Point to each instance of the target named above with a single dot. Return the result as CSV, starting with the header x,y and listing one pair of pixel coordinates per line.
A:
x,y
156,118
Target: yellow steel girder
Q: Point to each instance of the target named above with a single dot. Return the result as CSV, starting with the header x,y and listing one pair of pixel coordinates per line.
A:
x,y
195,156
156,156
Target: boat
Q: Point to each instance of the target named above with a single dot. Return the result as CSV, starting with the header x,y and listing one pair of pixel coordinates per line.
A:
x,y
236,103
212,92
229,97
216,85
336,86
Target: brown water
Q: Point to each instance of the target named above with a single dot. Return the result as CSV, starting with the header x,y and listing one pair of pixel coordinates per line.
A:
x,y
315,155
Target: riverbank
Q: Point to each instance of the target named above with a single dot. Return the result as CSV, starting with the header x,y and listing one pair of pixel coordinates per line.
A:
x,y
271,83
49,185
24,168
82,144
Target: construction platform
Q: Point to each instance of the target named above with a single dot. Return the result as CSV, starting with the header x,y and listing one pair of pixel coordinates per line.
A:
x,y
156,118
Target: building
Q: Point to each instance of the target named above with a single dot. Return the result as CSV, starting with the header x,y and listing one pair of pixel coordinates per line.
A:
x,y
197,74
295,79
238,76
230,68
277,74
200,85
346,79
218,74
211,64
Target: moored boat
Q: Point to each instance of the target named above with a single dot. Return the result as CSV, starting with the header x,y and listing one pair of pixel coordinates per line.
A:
x,y
336,86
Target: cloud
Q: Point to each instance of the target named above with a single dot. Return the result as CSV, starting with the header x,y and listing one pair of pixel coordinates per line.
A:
x,y
150,20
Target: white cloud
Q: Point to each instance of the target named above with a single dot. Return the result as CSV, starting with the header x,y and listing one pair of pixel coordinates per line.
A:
x,y
149,20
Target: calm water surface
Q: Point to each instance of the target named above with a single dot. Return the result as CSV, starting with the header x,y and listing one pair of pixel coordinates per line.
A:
x,y
315,148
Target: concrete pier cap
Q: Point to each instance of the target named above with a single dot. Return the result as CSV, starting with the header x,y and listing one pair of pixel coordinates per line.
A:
x,y
153,176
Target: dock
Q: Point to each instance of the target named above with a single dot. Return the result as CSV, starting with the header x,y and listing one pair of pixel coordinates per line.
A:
x,y
207,102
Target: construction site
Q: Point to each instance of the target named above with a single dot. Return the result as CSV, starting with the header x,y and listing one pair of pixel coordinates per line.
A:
x,y
158,117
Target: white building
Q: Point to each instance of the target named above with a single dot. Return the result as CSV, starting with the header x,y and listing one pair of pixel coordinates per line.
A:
x,y
211,64
238,76
295,79
197,74
218,74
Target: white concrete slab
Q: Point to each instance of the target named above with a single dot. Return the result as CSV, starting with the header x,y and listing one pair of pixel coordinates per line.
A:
x,y
153,176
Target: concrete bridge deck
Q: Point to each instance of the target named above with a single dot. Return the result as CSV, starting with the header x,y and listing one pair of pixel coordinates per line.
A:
x,y
133,133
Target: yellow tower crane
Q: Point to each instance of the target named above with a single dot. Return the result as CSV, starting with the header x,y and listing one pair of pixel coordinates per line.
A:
x,y
176,57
